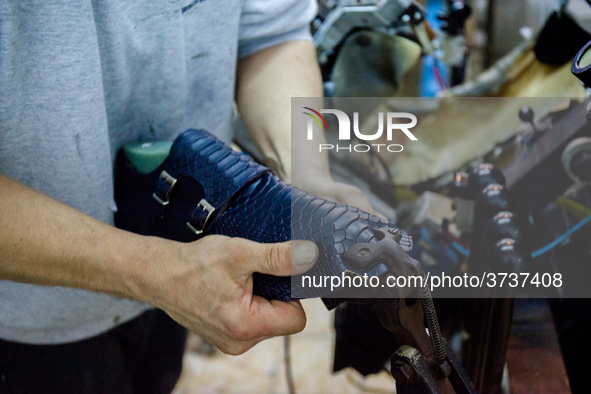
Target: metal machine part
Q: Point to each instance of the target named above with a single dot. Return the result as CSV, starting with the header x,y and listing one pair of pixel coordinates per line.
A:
x,y
581,65
417,365
424,363
372,63
576,159
541,162
339,19
496,235
455,48
348,15
454,21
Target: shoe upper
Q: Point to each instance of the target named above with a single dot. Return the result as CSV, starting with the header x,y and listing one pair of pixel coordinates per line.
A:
x,y
250,202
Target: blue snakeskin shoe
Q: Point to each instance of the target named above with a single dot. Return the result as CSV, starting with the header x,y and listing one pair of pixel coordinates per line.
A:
x,y
204,187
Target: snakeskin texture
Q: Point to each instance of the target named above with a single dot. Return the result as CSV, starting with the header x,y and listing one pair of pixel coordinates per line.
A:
x,y
250,203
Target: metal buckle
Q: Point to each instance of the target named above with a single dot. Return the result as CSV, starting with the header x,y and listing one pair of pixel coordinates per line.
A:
x,y
171,181
207,207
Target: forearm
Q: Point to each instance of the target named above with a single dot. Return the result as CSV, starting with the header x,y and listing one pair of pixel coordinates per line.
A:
x,y
266,82
205,285
48,243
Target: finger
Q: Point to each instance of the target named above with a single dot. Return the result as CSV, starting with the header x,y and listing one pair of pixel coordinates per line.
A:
x,y
363,203
235,348
284,259
276,318
304,255
381,216
360,202
353,196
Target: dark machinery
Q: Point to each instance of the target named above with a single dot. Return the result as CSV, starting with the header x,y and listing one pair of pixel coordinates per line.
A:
x,y
423,363
515,215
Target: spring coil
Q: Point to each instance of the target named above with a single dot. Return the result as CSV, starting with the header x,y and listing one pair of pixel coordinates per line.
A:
x,y
432,323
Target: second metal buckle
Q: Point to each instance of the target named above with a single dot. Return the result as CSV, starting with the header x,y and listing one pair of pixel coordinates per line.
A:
x,y
207,207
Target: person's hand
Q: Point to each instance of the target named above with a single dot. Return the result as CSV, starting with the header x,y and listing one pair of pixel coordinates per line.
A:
x,y
207,287
327,188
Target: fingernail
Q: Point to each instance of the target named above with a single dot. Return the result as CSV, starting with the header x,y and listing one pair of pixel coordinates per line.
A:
x,y
303,254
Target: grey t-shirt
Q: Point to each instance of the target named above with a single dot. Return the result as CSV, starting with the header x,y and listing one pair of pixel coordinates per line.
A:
x,y
78,79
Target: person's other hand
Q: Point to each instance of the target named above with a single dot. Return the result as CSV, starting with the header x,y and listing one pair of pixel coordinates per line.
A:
x,y
207,287
325,187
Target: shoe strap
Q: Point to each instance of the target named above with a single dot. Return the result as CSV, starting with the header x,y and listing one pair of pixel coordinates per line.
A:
x,y
201,197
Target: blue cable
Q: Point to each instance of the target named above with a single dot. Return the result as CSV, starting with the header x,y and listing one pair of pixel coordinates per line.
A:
x,y
460,249
564,236
543,249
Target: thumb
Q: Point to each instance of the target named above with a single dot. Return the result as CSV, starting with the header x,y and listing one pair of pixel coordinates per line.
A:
x,y
287,258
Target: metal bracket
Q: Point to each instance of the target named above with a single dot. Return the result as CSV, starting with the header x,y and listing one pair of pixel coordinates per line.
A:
x,y
207,207
171,181
414,365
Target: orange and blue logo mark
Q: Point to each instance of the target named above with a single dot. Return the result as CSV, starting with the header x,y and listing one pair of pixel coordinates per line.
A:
x,y
316,118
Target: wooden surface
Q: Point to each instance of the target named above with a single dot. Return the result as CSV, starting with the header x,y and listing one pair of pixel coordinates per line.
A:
x,y
533,359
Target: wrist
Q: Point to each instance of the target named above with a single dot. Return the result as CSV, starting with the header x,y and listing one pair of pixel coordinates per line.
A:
x,y
139,264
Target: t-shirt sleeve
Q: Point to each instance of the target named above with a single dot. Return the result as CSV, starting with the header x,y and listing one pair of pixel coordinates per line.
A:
x,y
264,23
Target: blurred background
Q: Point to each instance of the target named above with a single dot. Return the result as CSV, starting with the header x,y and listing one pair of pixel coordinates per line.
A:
x,y
448,49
